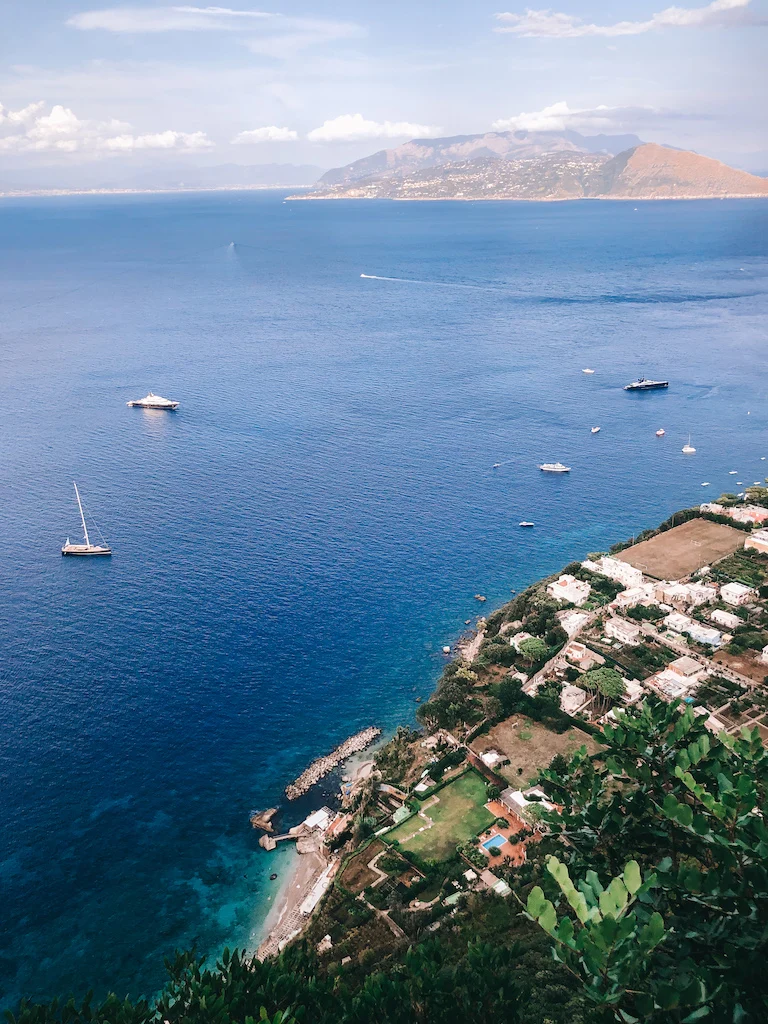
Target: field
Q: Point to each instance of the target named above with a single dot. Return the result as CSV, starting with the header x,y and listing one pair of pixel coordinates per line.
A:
x,y
684,549
357,875
529,746
456,814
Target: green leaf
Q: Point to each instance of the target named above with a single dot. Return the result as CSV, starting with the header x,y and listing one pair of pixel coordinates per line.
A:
x,y
548,918
536,901
632,877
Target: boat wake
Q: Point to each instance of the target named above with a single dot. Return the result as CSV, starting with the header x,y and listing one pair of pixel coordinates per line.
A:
x,y
433,284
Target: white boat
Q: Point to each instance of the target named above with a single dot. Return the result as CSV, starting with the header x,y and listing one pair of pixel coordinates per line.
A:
x,y
595,430
496,465
87,548
554,467
688,449
524,523
660,432
153,401
706,483
587,371
732,472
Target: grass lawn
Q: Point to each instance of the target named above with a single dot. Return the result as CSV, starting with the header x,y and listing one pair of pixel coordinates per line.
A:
x,y
530,746
456,814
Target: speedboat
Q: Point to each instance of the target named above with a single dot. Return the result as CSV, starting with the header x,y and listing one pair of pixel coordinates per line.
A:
x,y
524,523
641,384
661,432
732,472
554,467
587,371
595,430
153,401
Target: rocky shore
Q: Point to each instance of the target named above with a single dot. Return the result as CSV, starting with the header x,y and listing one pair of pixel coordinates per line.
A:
x,y
323,765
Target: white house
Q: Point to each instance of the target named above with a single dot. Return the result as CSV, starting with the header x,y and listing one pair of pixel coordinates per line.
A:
x,y
764,655
685,595
713,508
736,594
633,691
519,802
615,569
749,514
623,630
519,638
677,622
758,541
687,668
569,590
579,654
726,619
705,634
678,679
572,698
571,620
642,594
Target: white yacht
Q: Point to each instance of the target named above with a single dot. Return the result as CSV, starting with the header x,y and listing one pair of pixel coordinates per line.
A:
x,y
595,430
87,548
587,371
153,401
525,523
554,467
688,449
660,432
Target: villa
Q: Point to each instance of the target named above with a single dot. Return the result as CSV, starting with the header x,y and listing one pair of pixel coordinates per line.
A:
x,y
736,594
569,590
758,541
726,619
623,630
571,620
615,569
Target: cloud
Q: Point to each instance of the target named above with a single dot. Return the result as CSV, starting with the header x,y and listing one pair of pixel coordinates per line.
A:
x,y
552,25
30,131
167,19
266,33
354,127
559,116
271,133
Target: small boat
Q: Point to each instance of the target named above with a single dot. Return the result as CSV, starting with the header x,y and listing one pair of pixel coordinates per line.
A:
x,y
688,449
642,384
706,483
660,432
87,548
554,467
524,523
595,430
587,371
732,472
739,483
153,401
496,465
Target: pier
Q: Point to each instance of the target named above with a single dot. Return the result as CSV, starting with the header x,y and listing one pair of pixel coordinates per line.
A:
x,y
323,765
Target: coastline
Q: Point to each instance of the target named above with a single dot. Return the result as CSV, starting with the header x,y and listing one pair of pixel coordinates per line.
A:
x,y
533,199
48,192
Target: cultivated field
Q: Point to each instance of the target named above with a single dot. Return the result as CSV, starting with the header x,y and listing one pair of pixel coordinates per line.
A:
x,y
454,815
683,549
357,875
529,746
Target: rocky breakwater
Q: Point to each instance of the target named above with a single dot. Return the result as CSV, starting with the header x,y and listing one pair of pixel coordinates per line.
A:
x,y
323,765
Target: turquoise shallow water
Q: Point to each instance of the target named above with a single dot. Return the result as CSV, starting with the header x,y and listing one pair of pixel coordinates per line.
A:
x,y
295,545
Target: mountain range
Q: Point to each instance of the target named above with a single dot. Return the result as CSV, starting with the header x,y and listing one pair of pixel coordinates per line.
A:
x,y
536,166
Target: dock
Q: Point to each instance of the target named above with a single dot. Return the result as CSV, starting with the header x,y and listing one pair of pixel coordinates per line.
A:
x,y
263,819
323,765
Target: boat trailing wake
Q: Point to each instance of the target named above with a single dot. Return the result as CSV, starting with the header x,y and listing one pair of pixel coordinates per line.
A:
x,y
434,284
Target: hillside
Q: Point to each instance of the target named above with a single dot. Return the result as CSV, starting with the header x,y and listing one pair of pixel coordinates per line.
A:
x,y
647,171
422,153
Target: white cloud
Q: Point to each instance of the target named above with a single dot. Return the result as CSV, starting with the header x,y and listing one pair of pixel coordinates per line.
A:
x,y
559,116
265,33
29,131
270,133
354,127
166,19
553,25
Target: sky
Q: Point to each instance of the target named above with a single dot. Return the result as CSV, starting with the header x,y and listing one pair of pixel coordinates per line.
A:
x,y
134,85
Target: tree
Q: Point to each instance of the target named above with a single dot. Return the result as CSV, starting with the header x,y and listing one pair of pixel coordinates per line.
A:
x,y
533,649
607,685
690,811
493,708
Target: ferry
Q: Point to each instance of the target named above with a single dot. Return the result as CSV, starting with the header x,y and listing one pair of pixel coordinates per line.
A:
x,y
641,384
153,401
554,467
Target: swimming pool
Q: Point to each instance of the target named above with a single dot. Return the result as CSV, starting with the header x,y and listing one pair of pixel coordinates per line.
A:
x,y
494,842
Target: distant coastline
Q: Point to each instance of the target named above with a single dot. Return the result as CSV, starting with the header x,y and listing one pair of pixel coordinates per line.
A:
x,y
40,193
533,199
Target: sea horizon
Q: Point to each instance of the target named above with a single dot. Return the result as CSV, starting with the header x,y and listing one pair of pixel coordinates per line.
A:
x,y
295,545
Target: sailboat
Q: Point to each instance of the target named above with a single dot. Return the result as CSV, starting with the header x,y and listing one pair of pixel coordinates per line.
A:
x,y
87,548
688,449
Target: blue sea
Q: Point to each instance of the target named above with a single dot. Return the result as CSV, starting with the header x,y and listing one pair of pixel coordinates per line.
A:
x,y
294,545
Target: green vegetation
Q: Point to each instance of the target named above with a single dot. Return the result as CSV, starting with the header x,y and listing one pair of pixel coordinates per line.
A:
x,y
457,815
606,683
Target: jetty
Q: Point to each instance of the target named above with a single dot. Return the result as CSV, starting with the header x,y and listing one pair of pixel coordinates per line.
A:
x,y
323,765
263,819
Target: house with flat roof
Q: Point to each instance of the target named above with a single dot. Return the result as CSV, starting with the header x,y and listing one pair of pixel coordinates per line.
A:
x,y
581,656
641,594
521,803
573,698
757,541
623,630
615,569
569,590
519,638
736,594
764,655
571,620
726,619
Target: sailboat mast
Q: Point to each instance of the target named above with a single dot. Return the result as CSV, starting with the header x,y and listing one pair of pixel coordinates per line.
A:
x,y
82,516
